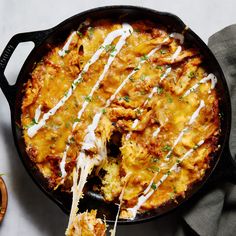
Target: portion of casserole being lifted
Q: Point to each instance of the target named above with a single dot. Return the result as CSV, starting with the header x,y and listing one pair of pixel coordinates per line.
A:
x,y
131,105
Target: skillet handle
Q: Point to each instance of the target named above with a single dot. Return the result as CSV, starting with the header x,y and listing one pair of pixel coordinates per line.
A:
x,y
37,37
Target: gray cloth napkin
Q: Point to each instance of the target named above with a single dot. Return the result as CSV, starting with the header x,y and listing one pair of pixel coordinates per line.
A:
x,y
213,211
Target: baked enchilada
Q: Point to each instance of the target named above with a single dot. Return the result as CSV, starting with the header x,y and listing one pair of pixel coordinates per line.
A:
x,y
131,104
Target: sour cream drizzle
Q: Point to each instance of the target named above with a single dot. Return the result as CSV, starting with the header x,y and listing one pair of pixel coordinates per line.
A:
x,y
178,36
124,32
62,52
210,77
168,70
192,119
148,193
37,114
176,53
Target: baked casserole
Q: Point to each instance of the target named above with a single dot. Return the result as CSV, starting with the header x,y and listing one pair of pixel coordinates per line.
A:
x,y
131,104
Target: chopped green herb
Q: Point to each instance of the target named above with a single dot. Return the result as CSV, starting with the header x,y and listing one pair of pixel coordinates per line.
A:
x,y
77,119
174,189
80,34
159,90
163,51
172,196
126,98
169,155
110,48
159,67
153,186
142,77
59,174
143,92
169,99
153,169
104,111
88,99
67,51
66,94
72,139
33,122
191,75
196,147
144,57
136,68
155,160
138,111
166,148
130,31
178,161
168,172
131,79
67,125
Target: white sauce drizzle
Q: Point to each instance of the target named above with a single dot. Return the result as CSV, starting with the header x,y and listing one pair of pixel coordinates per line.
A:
x,y
150,185
124,32
148,193
62,52
168,70
196,113
37,114
192,119
176,53
211,77
178,36
156,132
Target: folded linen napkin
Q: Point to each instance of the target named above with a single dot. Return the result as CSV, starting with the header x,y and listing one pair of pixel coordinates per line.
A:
x,y
213,210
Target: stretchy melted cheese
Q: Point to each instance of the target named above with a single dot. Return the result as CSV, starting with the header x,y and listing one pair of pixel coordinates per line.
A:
x,y
122,100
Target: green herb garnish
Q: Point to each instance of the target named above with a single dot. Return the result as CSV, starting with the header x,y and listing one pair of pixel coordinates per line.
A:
x,y
159,90
131,79
142,77
88,99
77,119
126,98
166,148
144,57
163,51
153,186
159,67
191,75
80,34
153,169
169,99
104,111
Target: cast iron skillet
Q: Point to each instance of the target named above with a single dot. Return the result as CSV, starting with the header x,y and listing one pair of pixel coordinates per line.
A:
x,y
41,39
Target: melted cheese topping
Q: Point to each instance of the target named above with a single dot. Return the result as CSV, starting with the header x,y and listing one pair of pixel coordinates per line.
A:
x,y
132,87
